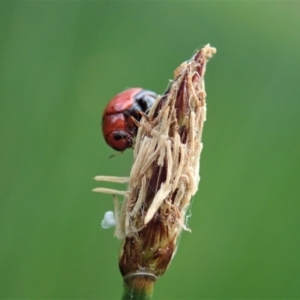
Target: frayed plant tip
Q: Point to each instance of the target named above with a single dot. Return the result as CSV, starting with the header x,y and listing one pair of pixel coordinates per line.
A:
x,y
164,175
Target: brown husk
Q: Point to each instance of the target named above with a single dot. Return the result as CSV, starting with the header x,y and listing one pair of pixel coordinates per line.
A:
x,y
165,172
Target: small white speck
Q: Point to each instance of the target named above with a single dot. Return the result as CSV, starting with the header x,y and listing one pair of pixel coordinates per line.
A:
x,y
108,220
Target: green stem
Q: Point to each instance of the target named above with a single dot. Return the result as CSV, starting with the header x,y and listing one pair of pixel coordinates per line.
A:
x,y
138,287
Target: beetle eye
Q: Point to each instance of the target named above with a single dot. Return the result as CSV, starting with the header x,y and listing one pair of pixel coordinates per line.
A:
x,y
119,136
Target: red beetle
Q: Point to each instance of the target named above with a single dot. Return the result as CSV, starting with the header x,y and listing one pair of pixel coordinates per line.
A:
x,y
118,126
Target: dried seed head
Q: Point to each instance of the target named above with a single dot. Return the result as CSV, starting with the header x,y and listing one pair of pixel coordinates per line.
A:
x,y
165,172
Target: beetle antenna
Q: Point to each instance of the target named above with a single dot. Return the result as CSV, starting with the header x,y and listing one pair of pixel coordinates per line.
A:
x,y
115,154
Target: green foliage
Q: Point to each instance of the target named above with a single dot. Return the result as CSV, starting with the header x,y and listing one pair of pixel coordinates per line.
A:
x,y
61,62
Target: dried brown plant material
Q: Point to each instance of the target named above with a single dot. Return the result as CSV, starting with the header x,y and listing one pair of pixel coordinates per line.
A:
x,y
164,175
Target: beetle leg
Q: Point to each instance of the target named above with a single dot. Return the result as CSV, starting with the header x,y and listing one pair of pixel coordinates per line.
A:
x,y
144,115
135,121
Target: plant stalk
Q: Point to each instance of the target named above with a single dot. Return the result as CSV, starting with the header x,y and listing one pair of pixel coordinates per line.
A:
x,y
138,287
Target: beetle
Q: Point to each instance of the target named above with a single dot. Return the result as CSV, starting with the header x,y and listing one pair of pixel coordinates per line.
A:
x,y
119,118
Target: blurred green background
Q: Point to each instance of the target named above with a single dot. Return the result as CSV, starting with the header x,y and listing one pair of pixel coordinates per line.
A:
x,y
62,61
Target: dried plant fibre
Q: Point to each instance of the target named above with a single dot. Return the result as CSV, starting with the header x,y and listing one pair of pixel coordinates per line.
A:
x,y
164,175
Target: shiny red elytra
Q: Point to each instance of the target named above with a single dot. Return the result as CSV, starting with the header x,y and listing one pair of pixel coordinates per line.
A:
x,y
118,126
